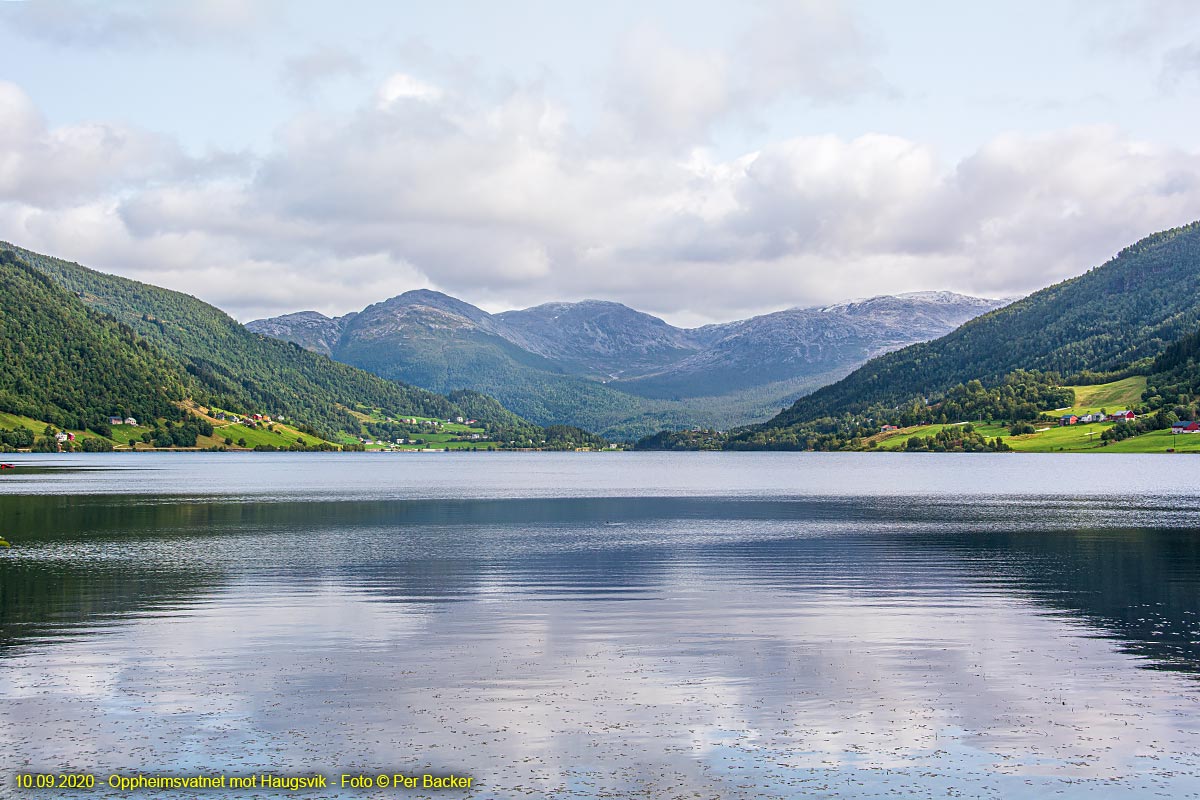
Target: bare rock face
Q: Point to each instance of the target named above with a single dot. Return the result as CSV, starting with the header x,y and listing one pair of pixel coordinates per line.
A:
x,y
309,329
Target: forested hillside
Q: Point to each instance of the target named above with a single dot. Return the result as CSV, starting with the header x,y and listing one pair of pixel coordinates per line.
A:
x,y
235,368
1123,312
67,365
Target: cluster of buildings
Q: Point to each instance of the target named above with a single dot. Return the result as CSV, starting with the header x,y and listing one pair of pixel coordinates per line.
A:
x,y
116,420
234,418
1124,415
436,422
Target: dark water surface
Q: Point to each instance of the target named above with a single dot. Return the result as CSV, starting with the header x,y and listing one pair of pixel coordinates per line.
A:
x,y
625,625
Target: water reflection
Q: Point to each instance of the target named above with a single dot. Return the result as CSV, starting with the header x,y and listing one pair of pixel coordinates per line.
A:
x,y
666,646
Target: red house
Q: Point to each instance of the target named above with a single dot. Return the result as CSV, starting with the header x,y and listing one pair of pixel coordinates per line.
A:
x,y
1122,416
1186,427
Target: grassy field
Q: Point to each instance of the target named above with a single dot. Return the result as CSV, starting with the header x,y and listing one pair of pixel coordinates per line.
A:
x,y
1157,442
127,434
1109,396
434,437
1052,440
442,440
1068,439
1073,438
11,421
283,437
896,440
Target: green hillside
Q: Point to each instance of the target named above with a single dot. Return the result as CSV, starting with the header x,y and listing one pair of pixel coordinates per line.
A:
x,y
79,346
1121,319
527,384
232,367
1126,311
64,364
1124,393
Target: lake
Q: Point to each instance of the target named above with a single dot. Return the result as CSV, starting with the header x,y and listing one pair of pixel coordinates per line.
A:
x,y
694,625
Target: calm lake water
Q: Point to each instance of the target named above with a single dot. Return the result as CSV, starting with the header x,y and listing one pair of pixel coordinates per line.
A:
x,y
617,625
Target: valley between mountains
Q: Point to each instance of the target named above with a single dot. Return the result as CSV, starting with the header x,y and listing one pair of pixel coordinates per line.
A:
x,y
623,373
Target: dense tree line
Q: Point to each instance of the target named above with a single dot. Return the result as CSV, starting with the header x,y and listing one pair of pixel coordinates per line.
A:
x,y
20,438
183,434
568,437
1020,396
73,367
956,439
1173,385
704,439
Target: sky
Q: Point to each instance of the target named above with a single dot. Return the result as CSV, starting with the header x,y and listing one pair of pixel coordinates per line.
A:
x,y
702,161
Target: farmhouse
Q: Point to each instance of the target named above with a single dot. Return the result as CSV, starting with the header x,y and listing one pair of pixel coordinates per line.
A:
x,y
130,421
1186,427
1068,419
115,420
1123,415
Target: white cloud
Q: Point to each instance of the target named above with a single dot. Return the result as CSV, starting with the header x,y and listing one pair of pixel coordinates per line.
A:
x,y
121,23
508,203
47,167
400,86
304,73
662,93
811,48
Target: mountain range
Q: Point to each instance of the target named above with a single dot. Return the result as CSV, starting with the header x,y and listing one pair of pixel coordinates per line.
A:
x,y
606,367
79,346
1137,314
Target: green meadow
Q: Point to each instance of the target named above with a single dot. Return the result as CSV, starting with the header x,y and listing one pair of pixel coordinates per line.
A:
x,y
11,421
1108,396
1051,438
283,436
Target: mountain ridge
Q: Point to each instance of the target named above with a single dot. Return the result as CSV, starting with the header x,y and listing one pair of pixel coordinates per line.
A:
x,y
231,366
1116,319
605,366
